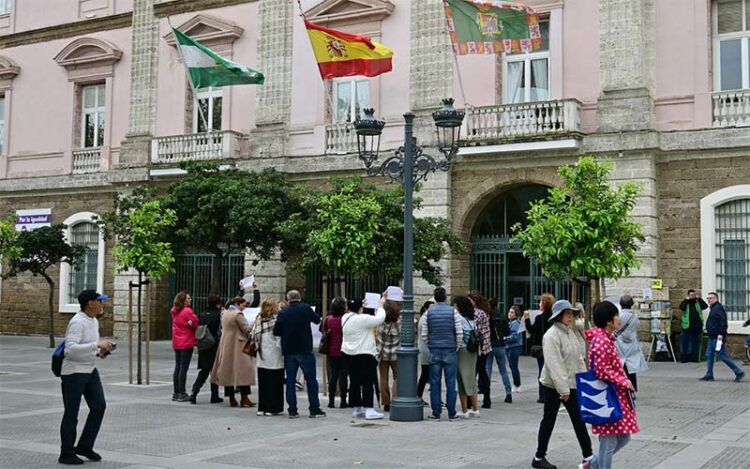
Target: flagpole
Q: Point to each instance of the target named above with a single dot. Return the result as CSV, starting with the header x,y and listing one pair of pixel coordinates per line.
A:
x,y
193,90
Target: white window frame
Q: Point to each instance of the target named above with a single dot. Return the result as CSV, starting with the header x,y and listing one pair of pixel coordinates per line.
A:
x,y
708,206
6,6
353,90
527,58
2,122
98,110
210,94
744,37
70,222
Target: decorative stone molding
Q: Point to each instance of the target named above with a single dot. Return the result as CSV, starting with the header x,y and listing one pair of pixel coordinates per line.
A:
x,y
8,68
88,52
333,12
208,30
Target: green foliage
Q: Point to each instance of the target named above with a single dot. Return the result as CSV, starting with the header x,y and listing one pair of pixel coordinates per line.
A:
x,y
233,209
584,229
42,248
141,225
9,248
357,229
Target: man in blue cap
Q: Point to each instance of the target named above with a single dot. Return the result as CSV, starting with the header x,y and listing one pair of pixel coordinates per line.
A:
x,y
81,378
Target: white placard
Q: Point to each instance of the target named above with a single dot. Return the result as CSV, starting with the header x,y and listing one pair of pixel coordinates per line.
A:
x,y
247,282
647,294
31,219
372,300
251,314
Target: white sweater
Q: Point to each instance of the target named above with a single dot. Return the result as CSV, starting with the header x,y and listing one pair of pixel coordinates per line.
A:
x,y
81,339
359,338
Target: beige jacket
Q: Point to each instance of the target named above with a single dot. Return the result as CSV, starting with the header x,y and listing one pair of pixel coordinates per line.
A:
x,y
231,366
564,356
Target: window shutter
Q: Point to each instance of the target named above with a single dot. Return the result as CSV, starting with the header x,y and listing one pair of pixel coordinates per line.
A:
x,y
730,15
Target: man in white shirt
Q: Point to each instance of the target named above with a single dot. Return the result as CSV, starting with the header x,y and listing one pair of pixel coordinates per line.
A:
x,y
81,378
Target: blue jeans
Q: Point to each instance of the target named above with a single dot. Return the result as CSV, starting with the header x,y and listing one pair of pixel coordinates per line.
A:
x,y
499,356
722,355
513,353
75,386
443,361
608,446
689,343
292,363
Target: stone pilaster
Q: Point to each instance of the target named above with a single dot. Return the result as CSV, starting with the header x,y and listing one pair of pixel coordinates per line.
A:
x,y
270,276
626,53
274,98
120,302
143,73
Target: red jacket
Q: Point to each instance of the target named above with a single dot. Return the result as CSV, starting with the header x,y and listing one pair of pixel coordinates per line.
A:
x,y
332,324
184,324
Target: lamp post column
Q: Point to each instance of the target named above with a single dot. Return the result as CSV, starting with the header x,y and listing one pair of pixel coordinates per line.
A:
x,y
407,407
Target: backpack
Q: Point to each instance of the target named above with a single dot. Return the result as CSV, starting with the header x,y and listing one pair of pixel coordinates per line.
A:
x,y
57,359
204,340
472,345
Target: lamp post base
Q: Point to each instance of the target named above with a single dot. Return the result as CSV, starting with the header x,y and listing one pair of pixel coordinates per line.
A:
x,y
407,409
407,406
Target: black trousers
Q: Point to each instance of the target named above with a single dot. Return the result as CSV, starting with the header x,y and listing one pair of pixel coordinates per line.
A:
x,y
88,385
362,372
337,374
424,378
551,407
483,381
181,365
200,380
632,378
229,391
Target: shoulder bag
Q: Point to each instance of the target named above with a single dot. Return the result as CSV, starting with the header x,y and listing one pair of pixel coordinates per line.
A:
x,y
597,398
57,359
204,340
323,345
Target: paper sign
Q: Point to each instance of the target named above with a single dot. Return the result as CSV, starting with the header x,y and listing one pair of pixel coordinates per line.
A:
x,y
647,294
247,282
250,314
533,315
656,284
31,219
372,300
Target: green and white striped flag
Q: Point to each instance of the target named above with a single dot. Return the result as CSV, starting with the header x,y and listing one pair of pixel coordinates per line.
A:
x,y
207,68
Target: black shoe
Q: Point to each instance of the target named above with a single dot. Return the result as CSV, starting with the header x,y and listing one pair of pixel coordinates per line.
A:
x,y
739,377
89,454
540,401
487,403
706,378
216,399
343,404
183,398
387,408
294,415
175,396
193,398
331,405
71,459
508,398
315,413
542,464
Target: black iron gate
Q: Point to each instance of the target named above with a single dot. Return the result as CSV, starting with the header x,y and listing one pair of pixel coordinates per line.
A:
x,y
193,273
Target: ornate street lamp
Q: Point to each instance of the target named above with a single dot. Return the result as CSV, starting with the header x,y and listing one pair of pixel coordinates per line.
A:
x,y
408,160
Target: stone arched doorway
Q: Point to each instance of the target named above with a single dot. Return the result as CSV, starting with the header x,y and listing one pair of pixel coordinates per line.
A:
x,y
497,266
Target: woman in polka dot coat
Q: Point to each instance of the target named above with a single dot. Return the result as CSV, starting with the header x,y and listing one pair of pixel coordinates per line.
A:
x,y
607,366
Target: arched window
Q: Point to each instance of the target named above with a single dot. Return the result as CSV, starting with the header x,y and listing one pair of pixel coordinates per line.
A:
x,y
725,249
82,230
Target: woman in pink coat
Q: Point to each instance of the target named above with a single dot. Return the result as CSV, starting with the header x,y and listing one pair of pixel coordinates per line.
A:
x,y
184,324
608,367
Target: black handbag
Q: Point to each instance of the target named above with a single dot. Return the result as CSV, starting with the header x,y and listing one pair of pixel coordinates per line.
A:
x,y
323,345
537,351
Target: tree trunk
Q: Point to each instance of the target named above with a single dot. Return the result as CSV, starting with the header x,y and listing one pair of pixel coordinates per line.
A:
x,y
216,271
604,287
597,291
574,291
51,310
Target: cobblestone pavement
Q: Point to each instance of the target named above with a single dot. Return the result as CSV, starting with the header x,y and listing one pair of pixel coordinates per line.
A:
x,y
685,424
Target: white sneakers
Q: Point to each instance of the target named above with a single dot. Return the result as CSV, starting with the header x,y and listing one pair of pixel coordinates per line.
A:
x,y
358,413
462,415
372,414
517,389
473,413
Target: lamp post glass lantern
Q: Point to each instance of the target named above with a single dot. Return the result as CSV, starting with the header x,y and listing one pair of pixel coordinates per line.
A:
x,y
408,165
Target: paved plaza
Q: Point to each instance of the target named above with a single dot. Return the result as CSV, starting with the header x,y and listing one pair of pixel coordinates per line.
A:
x,y
685,424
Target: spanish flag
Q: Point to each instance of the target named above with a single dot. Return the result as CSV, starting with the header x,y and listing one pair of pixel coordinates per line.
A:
x,y
344,55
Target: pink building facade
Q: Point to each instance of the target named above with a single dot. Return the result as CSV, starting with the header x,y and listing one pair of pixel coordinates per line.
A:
x,y
94,100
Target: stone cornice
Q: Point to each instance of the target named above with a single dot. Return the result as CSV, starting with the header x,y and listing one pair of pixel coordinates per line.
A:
x,y
62,31
222,31
325,13
8,68
174,7
78,53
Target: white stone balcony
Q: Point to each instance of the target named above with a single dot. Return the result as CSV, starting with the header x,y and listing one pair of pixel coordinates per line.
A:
x,y
217,145
341,139
87,160
513,122
731,108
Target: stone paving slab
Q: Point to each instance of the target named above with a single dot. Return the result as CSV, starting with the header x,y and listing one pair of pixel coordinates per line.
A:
x,y
686,424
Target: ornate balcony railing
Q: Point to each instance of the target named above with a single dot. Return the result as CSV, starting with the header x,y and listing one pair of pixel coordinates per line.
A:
x,y
196,147
87,160
511,121
341,138
731,108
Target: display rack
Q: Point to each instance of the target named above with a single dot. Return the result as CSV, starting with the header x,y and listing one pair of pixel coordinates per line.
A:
x,y
658,315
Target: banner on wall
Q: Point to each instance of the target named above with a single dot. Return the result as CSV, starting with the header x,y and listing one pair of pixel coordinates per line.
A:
x,y
31,219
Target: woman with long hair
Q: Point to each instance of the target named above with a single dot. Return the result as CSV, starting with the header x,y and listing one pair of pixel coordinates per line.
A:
x,y
467,361
337,373
233,368
608,367
211,318
270,360
483,313
387,339
514,344
184,324
537,329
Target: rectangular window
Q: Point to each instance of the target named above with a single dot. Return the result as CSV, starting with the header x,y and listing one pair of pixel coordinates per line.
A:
x,y
732,225
351,96
5,6
92,115
527,73
85,275
732,44
210,103
2,124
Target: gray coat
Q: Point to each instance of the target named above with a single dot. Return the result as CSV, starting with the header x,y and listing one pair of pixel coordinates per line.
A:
x,y
424,351
628,345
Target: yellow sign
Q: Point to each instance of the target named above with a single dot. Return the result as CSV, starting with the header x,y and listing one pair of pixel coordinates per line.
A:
x,y
656,283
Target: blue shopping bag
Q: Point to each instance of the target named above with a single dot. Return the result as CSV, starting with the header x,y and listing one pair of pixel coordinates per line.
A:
x,y
597,399
57,359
